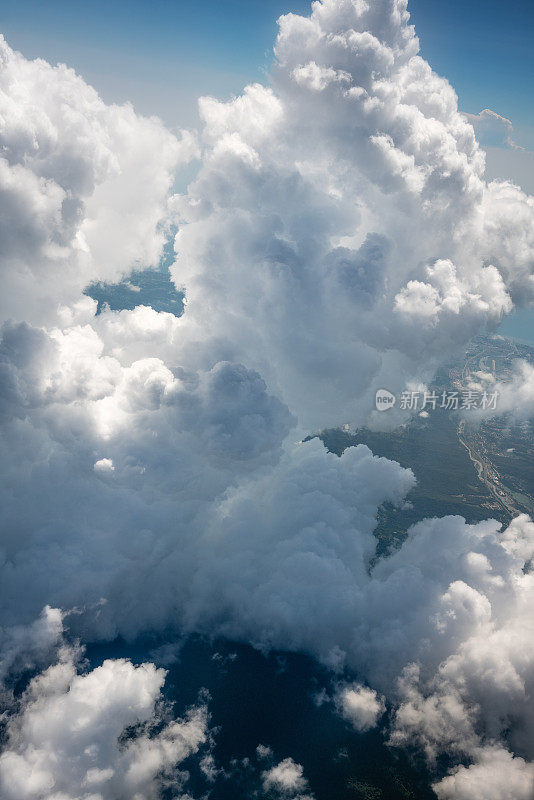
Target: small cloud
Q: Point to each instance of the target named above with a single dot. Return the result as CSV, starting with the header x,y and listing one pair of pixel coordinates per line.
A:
x,y
209,768
262,751
104,465
493,130
286,779
360,706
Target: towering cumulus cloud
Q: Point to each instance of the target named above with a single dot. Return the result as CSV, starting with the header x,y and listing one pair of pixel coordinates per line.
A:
x,y
341,235
339,238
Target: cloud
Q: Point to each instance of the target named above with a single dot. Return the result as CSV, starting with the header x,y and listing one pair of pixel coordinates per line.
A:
x,y
26,647
340,238
201,465
444,295
495,774
360,706
69,738
517,395
514,396
474,694
286,780
83,186
104,465
253,537
176,444
492,129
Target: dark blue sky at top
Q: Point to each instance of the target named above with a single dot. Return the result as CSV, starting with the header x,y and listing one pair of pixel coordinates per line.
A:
x,y
163,54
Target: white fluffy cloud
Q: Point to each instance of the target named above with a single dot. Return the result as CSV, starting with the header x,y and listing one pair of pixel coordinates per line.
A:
x,y
251,537
472,688
141,485
495,775
69,738
286,780
340,237
360,706
122,462
83,186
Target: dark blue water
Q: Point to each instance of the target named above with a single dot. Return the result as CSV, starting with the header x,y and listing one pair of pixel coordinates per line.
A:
x,y
269,700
